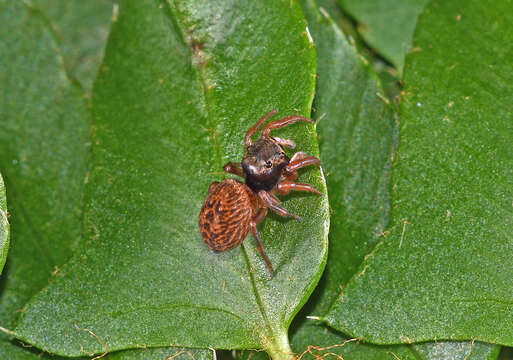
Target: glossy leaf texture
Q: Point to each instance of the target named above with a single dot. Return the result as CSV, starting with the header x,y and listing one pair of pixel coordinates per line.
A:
x,y
4,225
455,350
44,131
442,270
179,87
357,137
44,157
357,133
161,354
386,26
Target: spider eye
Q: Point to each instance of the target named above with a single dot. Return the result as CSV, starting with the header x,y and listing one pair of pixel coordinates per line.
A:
x,y
268,164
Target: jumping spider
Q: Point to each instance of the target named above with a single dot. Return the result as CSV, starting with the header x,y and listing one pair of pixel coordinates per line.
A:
x,y
232,208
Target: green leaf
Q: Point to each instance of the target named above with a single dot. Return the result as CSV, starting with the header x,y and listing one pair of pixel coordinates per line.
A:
x,y
357,134
44,157
444,270
455,350
161,354
14,350
358,126
44,130
4,225
180,86
80,29
387,26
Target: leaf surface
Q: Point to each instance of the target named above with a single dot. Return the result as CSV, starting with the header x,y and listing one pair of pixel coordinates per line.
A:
x,y
357,134
45,135
44,157
387,26
455,350
161,354
80,29
443,270
44,125
179,87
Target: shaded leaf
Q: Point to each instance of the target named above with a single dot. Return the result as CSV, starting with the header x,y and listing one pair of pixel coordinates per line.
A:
x,y
161,354
80,29
44,157
179,87
387,26
357,130
506,353
15,350
443,271
357,136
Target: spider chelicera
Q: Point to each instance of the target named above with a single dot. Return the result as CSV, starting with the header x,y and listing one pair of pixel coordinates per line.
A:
x,y
232,209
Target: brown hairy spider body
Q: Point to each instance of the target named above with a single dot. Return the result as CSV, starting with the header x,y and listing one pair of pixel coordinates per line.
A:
x,y
233,209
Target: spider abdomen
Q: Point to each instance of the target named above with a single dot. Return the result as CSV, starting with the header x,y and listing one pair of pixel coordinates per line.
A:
x,y
226,214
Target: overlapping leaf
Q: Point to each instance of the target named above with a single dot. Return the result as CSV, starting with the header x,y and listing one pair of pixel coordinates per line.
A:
x,y
80,29
44,132
443,270
350,103
42,165
44,156
179,87
356,130
387,26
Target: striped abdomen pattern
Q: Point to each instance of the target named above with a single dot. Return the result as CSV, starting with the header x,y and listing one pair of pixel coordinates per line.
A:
x,y
226,214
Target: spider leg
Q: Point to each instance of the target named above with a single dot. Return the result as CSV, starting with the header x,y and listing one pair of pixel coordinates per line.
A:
x,y
273,203
298,156
283,122
260,247
292,176
284,187
284,142
234,168
258,125
212,186
301,162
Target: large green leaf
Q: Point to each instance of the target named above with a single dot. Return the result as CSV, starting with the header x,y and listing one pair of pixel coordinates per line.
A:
x,y
4,225
179,87
444,270
387,26
356,137
14,350
44,130
161,354
356,130
44,157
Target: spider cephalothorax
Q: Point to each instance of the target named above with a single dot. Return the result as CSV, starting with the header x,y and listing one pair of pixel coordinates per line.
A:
x,y
263,164
232,209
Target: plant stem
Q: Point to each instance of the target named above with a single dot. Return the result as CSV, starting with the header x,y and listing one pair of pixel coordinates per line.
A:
x,y
278,347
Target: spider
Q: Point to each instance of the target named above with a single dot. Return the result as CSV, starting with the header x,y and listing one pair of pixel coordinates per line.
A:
x,y
233,209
